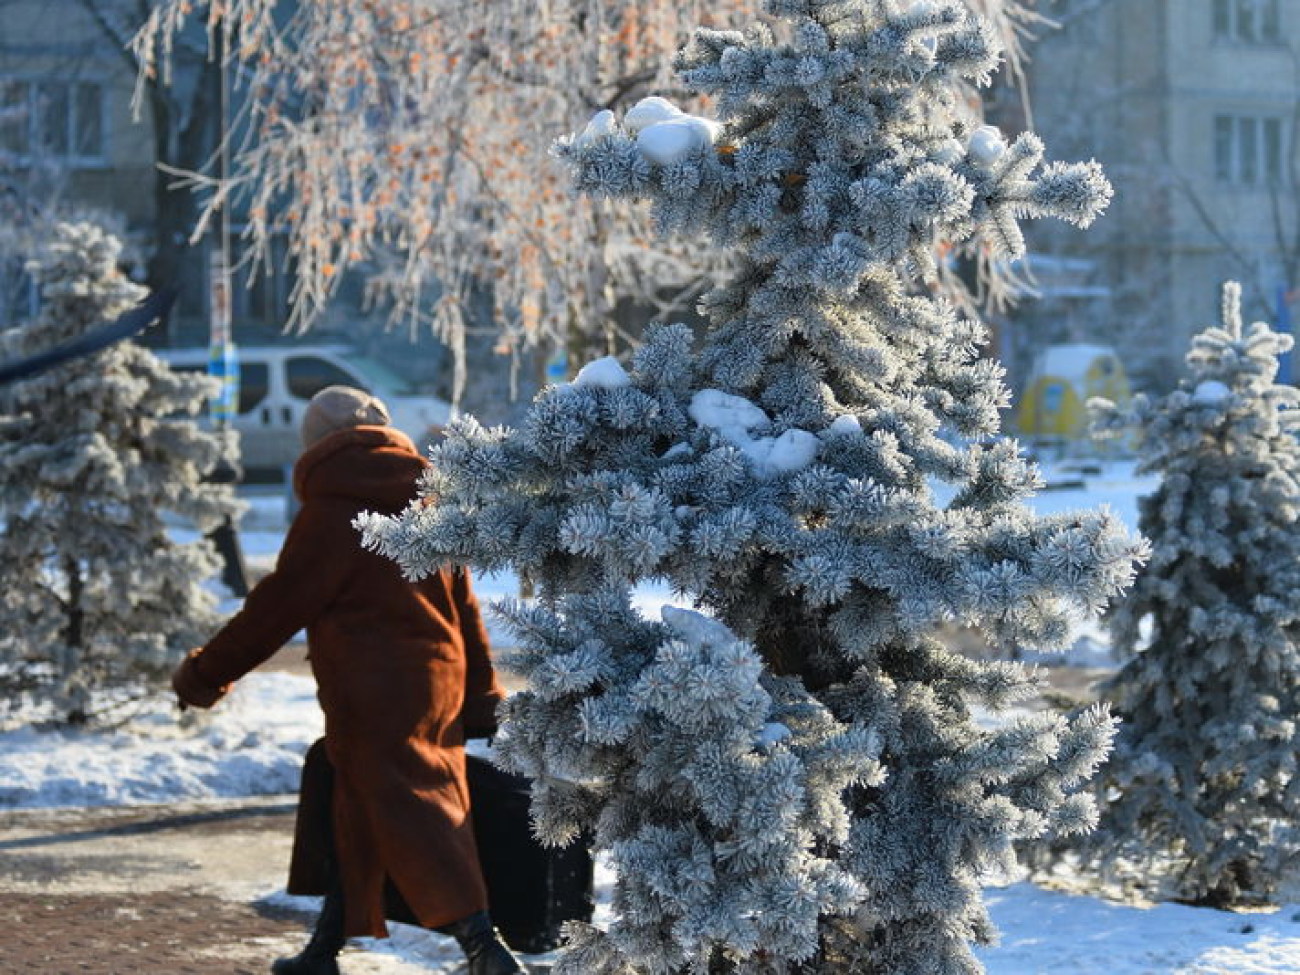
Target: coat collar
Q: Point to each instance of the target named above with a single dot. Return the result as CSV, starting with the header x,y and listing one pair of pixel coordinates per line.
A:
x,y
377,465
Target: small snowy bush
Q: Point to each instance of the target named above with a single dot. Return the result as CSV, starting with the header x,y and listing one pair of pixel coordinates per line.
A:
x,y
96,600
1204,769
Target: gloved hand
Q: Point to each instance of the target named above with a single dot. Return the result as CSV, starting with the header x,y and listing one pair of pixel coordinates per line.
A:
x,y
190,687
479,715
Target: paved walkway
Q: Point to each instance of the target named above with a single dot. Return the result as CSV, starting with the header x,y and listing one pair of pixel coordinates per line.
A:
x,y
191,888
172,890
187,889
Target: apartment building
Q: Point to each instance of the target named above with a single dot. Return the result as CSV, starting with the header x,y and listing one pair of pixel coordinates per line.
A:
x,y
65,95
1191,106
69,132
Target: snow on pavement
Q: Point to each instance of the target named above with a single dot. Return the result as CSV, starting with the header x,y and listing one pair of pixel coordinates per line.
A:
x,y
1069,934
251,744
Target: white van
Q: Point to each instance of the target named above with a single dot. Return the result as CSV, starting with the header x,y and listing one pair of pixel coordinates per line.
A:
x,y
276,383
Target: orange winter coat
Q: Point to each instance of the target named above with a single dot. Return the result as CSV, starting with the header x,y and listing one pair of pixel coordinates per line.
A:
x,y
402,670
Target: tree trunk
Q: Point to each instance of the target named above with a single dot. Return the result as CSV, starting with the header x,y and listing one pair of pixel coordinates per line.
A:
x,y
176,262
74,639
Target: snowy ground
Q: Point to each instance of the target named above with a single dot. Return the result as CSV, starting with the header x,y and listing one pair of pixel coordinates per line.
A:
x,y
252,744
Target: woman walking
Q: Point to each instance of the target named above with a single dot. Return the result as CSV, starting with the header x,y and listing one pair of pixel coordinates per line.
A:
x,y
403,674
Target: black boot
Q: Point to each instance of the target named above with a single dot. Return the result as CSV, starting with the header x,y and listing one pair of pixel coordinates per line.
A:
x,y
483,947
327,940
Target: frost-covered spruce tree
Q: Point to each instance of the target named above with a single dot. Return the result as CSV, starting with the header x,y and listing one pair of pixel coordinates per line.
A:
x,y
97,601
1205,761
789,775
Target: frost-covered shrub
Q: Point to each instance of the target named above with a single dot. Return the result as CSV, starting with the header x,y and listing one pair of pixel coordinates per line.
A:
x,y
96,599
790,776
1207,799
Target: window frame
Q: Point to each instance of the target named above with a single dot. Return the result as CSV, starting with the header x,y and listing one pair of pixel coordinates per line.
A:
x,y
1256,22
68,147
249,371
294,384
261,371
1249,150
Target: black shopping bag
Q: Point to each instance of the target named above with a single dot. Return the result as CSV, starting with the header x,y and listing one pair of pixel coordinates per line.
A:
x,y
532,889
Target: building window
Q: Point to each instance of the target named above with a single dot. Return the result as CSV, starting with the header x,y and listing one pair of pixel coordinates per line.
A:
x,y
52,119
1248,150
1252,21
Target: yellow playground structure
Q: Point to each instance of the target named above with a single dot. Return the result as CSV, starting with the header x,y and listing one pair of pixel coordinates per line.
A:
x,y
1053,404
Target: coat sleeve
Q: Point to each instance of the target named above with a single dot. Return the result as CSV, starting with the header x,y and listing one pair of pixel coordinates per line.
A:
x,y
308,575
483,692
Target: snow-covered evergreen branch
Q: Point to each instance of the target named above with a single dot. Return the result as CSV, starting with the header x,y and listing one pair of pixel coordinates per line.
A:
x,y
794,782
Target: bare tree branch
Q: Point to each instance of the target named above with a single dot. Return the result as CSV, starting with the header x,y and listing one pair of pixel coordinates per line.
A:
x,y
412,137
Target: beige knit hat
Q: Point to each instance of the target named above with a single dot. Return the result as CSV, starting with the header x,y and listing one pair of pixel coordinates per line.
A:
x,y
337,407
